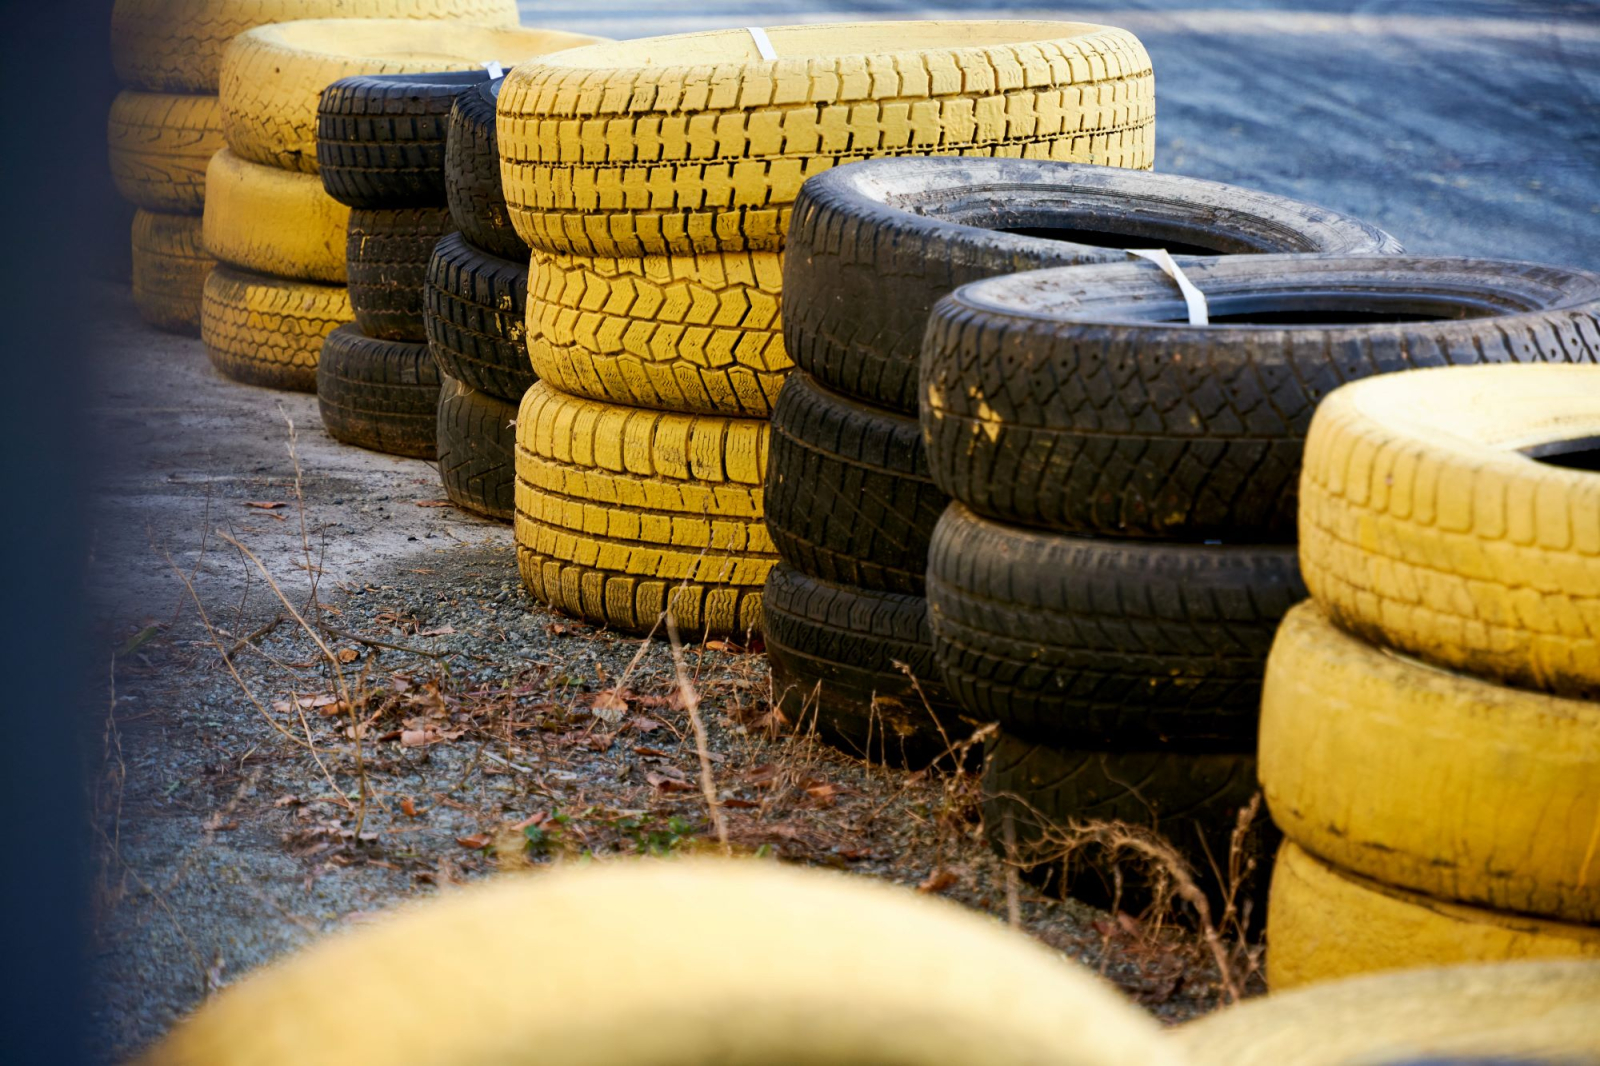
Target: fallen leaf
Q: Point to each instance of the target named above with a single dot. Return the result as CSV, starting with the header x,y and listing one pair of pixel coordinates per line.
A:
x,y
287,801
668,784
475,842
408,807
413,738
434,503
740,804
937,881
348,655
442,631
609,705
219,823
642,724
722,645
265,505
654,753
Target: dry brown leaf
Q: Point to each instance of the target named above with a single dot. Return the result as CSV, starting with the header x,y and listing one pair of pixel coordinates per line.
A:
x,y
476,841
265,505
219,823
434,503
937,881
408,807
348,655
668,784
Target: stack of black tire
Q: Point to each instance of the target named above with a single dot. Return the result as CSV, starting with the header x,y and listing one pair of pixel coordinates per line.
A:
x,y
475,308
381,151
1122,665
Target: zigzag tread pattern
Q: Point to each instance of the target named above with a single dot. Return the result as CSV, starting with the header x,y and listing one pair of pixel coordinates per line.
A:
x,y
159,145
269,331
698,334
387,253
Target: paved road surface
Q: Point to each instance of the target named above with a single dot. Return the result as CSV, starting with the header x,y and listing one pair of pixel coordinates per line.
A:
x,y
1469,127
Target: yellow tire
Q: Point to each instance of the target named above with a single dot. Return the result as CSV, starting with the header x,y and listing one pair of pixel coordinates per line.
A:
x,y
694,143
1324,923
273,76
623,513
268,331
764,964
1437,782
159,146
274,221
698,334
1425,525
176,45
170,266
1525,1012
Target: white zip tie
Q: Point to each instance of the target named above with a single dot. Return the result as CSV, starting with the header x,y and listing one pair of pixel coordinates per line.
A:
x,y
763,43
1199,313
495,70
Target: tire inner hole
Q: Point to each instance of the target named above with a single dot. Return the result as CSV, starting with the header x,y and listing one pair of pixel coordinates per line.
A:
x,y
1326,309
1102,239
1580,454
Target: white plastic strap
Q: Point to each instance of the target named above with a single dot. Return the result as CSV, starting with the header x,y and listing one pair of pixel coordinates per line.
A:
x,y
763,43
495,69
1199,313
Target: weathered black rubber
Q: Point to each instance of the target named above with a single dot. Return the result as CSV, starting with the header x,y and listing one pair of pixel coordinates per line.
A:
x,y
472,175
381,137
848,494
1083,642
382,395
477,436
1082,400
386,258
476,317
835,653
1192,801
873,245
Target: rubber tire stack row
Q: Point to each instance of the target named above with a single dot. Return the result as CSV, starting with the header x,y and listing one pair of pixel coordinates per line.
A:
x,y
475,316
268,214
1430,733
655,197
852,503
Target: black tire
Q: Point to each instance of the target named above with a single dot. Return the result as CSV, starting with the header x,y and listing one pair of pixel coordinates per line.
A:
x,y
382,395
834,651
1191,800
848,495
381,137
472,175
476,306
1082,400
386,258
873,245
477,436
1082,642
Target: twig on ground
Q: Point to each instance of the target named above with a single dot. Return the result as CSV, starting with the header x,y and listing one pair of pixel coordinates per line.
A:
x,y
691,703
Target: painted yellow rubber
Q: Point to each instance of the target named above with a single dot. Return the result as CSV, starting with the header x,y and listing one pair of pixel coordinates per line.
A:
x,y
1527,1012
1424,527
268,331
177,45
170,265
623,512
1324,923
768,964
274,221
699,334
159,145
1434,781
273,76
694,143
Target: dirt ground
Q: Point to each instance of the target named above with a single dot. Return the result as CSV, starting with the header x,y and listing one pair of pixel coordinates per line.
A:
x,y
421,722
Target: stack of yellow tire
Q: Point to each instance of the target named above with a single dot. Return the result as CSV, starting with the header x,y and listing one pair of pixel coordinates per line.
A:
x,y
280,239
1430,731
654,180
164,130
